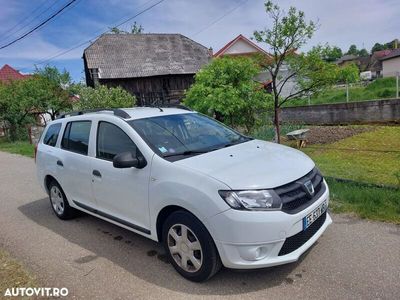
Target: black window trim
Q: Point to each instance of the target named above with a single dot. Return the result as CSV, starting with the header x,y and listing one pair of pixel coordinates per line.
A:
x,y
97,139
65,130
44,133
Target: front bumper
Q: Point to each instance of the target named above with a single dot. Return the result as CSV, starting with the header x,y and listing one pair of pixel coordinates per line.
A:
x,y
253,239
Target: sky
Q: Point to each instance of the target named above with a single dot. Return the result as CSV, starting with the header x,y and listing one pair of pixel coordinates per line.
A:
x,y
209,22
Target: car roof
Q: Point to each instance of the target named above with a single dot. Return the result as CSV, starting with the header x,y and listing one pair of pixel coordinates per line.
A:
x,y
128,114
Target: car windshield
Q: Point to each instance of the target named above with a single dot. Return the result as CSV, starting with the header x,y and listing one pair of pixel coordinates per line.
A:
x,y
183,135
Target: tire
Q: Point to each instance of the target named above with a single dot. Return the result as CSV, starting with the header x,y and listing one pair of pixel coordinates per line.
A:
x,y
197,248
59,202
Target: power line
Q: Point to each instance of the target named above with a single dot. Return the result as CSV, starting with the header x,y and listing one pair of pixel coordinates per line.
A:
x,y
88,41
26,18
38,26
220,18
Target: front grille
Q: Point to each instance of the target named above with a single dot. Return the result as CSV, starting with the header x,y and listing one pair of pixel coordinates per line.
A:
x,y
296,241
294,195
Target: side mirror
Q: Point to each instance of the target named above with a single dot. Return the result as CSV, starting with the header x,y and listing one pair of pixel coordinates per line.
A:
x,y
129,160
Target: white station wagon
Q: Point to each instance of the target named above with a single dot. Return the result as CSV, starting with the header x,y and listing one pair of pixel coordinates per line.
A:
x,y
211,195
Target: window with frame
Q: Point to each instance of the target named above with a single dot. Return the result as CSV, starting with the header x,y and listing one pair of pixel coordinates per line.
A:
x,y
76,137
112,140
51,135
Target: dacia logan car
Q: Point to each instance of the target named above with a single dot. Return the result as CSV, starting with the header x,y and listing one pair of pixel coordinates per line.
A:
x,y
211,195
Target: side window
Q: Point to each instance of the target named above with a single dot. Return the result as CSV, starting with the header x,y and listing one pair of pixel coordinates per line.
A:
x,y
111,140
76,137
52,134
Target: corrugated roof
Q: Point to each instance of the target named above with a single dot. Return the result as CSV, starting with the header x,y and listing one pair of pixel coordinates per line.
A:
x,y
143,55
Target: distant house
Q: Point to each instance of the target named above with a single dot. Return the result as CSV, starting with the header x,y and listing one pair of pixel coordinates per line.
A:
x,y
391,64
156,68
371,63
242,46
8,74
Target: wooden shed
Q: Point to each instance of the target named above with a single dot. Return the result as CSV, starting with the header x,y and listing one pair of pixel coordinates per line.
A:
x,y
156,68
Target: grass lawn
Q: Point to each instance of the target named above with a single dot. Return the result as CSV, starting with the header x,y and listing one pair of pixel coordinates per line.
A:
x,y
381,88
372,203
346,158
19,147
13,274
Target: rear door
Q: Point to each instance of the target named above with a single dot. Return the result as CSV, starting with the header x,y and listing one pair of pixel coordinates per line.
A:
x,y
75,164
121,194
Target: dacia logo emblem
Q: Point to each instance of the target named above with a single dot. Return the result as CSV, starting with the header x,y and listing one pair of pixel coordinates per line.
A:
x,y
309,187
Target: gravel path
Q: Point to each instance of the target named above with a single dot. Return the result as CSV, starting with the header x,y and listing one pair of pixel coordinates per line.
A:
x,y
94,259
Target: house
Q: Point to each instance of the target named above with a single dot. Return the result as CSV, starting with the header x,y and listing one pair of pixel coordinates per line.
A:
x,y
156,68
242,46
8,74
391,64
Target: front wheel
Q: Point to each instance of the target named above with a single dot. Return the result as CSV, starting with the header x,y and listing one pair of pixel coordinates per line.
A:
x,y
190,247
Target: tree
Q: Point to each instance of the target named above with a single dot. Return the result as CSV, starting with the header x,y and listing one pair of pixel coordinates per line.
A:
x,y
55,86
135,29
103,97
348,74
289,32
363,52
331,53
18,100
226,88
378,47
352,50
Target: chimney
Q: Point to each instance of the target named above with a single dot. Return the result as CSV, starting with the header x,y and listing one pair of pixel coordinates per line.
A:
x,y
210,52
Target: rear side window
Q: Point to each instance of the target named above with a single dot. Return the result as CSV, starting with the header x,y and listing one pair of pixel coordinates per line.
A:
x,y
52,134
76,137
112,140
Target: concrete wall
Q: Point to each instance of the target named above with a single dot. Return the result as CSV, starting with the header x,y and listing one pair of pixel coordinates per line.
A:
x,y
375,111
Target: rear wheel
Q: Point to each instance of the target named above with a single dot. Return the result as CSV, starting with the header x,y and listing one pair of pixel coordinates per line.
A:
x,y
59,202
190,247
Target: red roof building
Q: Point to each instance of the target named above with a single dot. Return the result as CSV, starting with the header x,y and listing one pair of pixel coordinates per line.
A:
x,y
240,46
8,74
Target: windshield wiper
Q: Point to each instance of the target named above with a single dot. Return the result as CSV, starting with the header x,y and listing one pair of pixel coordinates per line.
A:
x,y
188,152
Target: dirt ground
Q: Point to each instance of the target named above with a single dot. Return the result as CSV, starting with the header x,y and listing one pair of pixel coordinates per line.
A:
x,y
331,134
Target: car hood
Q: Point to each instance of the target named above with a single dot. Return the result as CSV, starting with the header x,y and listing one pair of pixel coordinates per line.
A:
x,y
252,165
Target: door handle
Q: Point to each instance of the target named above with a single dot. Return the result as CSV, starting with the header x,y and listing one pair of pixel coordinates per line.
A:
x,y
96,173
60,163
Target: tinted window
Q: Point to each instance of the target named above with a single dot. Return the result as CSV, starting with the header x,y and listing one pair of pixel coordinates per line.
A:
x,y
76,137
111,140
52,134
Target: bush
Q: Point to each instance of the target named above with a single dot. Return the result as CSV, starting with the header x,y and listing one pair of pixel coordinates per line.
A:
x,y
103,97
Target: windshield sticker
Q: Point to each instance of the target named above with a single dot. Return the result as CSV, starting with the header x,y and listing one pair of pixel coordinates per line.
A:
x,y
162,149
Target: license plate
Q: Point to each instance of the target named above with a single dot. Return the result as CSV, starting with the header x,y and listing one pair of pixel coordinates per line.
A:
x,y
314,215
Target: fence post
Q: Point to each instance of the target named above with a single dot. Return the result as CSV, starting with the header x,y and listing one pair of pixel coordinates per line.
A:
x,y
347,92
397,85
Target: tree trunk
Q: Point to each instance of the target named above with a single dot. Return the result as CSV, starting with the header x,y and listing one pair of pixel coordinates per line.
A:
x,y
13,133
277,127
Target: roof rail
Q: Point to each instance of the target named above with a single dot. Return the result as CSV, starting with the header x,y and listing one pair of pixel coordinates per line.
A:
x,y
117,112
171,106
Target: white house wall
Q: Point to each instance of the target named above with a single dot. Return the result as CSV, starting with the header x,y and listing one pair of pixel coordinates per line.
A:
x,y
391,67
240,47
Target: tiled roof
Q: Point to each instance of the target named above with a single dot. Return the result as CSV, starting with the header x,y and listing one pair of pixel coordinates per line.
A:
x,y
394,53
8,74
142,55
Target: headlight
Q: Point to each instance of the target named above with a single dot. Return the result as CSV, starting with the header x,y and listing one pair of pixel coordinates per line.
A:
x,y
252,199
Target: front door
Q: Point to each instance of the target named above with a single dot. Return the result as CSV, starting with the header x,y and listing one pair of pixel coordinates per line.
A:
x,y
121,194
